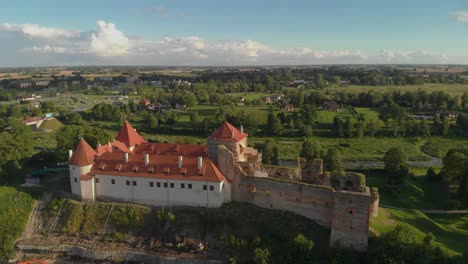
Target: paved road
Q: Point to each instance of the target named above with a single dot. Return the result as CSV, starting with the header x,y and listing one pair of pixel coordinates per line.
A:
x,y
426,211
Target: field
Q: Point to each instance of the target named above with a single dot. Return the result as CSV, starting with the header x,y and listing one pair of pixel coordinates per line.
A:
x,y
15,207
453,89
450,230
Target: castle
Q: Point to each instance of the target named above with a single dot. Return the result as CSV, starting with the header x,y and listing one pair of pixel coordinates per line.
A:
x,y
131,169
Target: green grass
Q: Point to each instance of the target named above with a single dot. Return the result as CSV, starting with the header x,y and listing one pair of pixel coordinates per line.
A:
x,y
453,89
451,231
413,193
15,207
51,124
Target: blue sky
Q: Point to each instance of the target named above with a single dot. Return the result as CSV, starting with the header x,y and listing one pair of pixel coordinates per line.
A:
x,y
189,32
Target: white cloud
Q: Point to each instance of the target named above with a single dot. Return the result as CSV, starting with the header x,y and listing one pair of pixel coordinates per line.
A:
x,y
108,45
37,31
108,40
461,16
408,56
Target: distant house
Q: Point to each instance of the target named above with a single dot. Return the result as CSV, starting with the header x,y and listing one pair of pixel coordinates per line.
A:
x,y
331,106
288,108
144,103
343,83
34,104
131,79
452,116
180,106
34,122
24,84
41,83
241,98
297,83
273,98
103,79
162,106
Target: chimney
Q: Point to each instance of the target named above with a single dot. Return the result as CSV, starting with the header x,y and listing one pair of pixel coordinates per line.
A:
x,y
70,154
200,162
146,159
232,133
242,129
109,144
126,157
98,144
180,159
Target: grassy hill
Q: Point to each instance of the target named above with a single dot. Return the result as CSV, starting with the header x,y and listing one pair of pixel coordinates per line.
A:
x,y
15,207
51,124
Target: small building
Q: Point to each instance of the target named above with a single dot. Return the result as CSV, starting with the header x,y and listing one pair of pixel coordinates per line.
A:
x,y
41,83
331,106
24,84
161,106
288,108
450,115
273,98
180,106
144,102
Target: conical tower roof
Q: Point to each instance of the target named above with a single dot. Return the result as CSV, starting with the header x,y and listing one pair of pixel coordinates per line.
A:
x,y
129,136
83,154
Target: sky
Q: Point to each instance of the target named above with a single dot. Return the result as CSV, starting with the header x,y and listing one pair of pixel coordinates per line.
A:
x,y
232,33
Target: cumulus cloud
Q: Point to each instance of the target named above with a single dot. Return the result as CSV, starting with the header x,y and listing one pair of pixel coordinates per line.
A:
x,y
37,31
108,40
461,16
108,45
408,56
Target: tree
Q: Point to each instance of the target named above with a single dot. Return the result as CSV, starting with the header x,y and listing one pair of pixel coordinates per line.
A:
x,y
152,122
274,126
311,149
332,160
261,255
75,119
16,143
396,165
432,175
270,152
189,99
372,128
309,114
301,250
359,129
348,128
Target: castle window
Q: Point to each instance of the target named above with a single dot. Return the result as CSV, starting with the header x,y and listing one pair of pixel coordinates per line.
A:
x,y
350,212
190,186
172,185
165,185
97,180
75,180
134,183
211,187
158,184
151,184
112,181
182,185
204,187
128,182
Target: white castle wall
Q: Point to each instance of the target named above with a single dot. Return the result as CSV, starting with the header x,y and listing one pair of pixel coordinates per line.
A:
x,y
75,173
142,192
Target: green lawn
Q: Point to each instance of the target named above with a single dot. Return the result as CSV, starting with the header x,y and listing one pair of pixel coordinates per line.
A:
x,y
451,231
51,124
413,193
453,89
15,207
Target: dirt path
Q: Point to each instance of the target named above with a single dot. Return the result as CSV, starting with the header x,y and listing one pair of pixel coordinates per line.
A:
x,y
34,224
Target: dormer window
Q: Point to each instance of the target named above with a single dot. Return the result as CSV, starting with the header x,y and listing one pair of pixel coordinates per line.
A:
x,y
136,168
167,170
151,169
118,167
102,166
183,171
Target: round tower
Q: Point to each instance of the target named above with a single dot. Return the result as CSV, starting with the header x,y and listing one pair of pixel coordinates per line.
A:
x,y
80,163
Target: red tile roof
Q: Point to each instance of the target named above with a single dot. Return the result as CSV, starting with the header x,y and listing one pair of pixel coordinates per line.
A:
x,y
171,149
159,166
225,133
83,154
129,136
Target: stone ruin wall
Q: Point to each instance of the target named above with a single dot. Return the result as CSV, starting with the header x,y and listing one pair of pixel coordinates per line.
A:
x,y
322,204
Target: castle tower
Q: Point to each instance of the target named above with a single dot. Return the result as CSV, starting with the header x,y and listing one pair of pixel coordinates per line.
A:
x,y
80,163
233,139
129,136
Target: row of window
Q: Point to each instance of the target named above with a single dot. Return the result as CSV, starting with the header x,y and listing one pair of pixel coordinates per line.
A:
x,y
158,184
